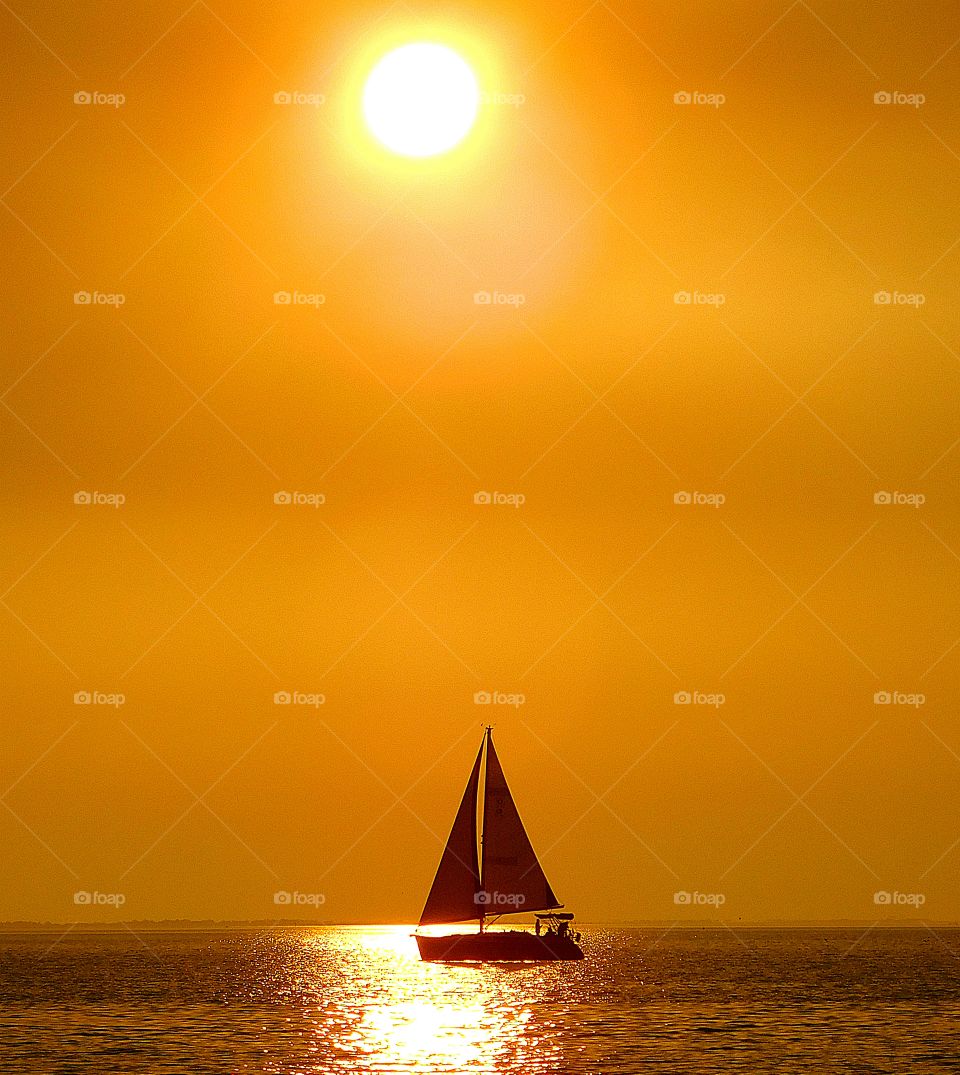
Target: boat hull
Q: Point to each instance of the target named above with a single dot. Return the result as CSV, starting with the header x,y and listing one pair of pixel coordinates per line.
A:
x,y
496,946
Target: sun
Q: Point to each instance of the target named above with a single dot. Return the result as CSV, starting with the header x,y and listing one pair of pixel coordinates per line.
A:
x,y
421,99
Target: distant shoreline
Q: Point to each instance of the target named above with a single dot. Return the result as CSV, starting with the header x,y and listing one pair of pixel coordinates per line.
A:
x,y
209,926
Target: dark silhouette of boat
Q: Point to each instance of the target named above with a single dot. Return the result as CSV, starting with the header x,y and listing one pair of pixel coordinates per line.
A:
x,y
500,876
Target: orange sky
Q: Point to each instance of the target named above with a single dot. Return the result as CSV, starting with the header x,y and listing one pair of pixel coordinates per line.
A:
x,y
781,199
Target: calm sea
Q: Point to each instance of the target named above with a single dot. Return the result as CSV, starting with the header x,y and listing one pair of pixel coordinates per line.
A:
x,y
359,1000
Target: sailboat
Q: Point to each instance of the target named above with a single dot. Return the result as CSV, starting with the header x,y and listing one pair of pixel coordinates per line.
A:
x,y
501,876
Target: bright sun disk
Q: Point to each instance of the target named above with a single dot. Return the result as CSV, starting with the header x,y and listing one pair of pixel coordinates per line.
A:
x,y
421,99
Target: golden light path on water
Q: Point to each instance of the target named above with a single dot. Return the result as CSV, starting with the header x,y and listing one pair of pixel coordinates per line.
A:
x,y
373,1006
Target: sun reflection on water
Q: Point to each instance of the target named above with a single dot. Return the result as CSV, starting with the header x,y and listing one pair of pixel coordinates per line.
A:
x,y
383,1010
423,1032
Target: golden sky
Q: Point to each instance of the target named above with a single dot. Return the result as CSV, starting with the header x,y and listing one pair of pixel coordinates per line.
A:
x,y
717,389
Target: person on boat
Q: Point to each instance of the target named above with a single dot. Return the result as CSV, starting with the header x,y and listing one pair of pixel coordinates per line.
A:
x,y
538,927
562,929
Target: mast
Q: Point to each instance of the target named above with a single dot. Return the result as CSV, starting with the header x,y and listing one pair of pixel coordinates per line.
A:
x,y
481,819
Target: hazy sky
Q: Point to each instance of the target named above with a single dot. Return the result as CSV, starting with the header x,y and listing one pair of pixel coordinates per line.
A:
x,y
804,401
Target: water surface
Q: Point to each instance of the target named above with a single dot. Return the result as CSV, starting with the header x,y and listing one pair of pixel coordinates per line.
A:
x,y
336,1000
